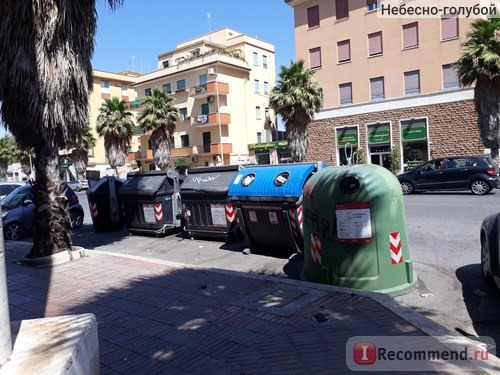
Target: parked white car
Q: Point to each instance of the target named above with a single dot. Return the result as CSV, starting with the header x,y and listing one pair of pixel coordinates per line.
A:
x,y
78,185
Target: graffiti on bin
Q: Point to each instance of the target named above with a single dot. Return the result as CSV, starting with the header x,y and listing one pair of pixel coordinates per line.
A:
x,y
204,179
319,224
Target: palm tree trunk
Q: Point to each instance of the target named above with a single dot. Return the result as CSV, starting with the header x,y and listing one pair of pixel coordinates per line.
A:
x,y
52,220
160,143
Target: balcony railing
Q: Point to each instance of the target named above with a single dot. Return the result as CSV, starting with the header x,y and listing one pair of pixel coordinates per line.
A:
x,y
212,119
209,88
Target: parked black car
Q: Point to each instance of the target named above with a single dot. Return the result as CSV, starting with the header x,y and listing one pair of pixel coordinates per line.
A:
x,y
475,173
18,212
490,249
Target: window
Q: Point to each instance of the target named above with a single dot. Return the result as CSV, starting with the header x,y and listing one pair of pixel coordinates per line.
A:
x,y
410,35
181,85
371,5
449,27
256,59
375,44
202,79
341,9
264,61
266,88
313,16
124,89
256,85
344,51
166,63
377,88
315,58
257,113
183,113
345,93
412,82
167,88
105,87
147,92
450,78
259,137
185,140
195,53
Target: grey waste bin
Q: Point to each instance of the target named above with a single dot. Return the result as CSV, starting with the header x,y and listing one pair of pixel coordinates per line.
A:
x,y
104,204
206,207
268,199
151,202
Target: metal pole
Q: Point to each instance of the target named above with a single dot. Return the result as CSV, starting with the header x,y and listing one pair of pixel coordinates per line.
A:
x,y
5,333
218,120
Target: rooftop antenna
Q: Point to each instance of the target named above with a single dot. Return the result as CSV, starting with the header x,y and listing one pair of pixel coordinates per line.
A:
x,y
209,29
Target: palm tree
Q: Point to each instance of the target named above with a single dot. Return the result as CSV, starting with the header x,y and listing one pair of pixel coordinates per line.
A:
x,y
26,159
116,125
480,64
296,98
8,153
80,154
45,80
159,115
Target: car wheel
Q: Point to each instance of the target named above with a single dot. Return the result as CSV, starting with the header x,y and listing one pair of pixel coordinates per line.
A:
x,y
486,261
407,187
479,187
13,231
76,218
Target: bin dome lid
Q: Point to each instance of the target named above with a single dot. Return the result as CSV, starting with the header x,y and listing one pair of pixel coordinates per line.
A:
x,y
103,182
276,180
149,183
209,179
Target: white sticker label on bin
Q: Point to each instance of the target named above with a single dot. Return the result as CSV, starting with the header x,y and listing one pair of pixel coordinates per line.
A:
x,y
353,222
253,216
149,213
273,218
218,212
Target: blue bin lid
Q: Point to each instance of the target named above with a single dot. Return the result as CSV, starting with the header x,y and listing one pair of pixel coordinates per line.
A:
x,y
276,180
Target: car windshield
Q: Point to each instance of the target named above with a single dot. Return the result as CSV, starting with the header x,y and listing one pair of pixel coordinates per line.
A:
x,y
15,198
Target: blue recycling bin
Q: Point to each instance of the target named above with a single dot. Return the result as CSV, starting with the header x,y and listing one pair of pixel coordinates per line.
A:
x,y
268,200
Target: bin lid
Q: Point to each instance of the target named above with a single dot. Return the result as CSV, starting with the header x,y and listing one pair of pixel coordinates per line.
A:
x,y
272,181
209,179
149,183
102,185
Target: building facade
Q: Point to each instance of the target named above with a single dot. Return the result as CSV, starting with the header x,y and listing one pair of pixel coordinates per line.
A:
x,y
220,83
388,83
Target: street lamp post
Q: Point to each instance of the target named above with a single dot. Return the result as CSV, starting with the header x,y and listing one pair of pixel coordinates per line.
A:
x,y
218,120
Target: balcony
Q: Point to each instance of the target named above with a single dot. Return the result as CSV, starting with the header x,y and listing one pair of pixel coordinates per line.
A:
x,y
179,152
227,148
209,88
212,119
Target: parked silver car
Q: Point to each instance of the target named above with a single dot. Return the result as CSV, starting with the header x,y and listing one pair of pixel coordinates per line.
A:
x,y
78,185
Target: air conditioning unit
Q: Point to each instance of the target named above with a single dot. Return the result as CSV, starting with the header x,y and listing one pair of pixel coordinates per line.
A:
x,y
210,99
211,71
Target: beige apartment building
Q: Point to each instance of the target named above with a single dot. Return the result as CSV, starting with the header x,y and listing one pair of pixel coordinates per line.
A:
x,y
220,83
107,85
388,83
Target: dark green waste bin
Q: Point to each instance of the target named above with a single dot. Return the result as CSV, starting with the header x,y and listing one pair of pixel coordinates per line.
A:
x,y
104,204
355,230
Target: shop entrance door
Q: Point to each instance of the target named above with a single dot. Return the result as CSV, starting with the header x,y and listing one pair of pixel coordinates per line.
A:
x,y
380,155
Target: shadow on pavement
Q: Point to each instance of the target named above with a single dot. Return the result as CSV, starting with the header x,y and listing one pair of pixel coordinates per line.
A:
x,y
482,302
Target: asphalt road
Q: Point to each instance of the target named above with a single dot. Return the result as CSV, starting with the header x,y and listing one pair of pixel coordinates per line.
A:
x,y
443,235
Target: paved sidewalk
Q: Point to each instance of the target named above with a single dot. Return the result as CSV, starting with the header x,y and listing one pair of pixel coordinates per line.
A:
x,y
158,317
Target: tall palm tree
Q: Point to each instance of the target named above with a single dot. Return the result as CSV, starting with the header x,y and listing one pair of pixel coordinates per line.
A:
x,y
116,125
8,153
480,64
159,115
26,158
80,155
296,98
45,80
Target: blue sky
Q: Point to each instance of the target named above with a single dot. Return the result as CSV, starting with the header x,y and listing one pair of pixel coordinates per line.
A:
x,y
133,35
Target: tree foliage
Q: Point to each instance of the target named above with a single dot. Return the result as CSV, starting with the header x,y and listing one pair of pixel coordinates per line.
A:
x,y
159,116
116,126
296,98
479,64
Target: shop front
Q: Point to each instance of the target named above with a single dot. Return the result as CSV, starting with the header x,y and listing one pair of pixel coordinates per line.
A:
x,y
379,144
347,144
414,143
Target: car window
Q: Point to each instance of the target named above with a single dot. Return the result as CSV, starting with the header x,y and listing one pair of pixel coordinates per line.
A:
x,y
14,199
5,189
458,163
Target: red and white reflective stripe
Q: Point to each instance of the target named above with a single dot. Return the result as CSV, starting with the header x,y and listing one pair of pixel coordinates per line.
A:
x,y
231,213
158,211
296,221
396,248
93,210
315,249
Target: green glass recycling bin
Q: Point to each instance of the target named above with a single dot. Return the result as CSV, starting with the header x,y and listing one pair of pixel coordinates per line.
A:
x,y
355,230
